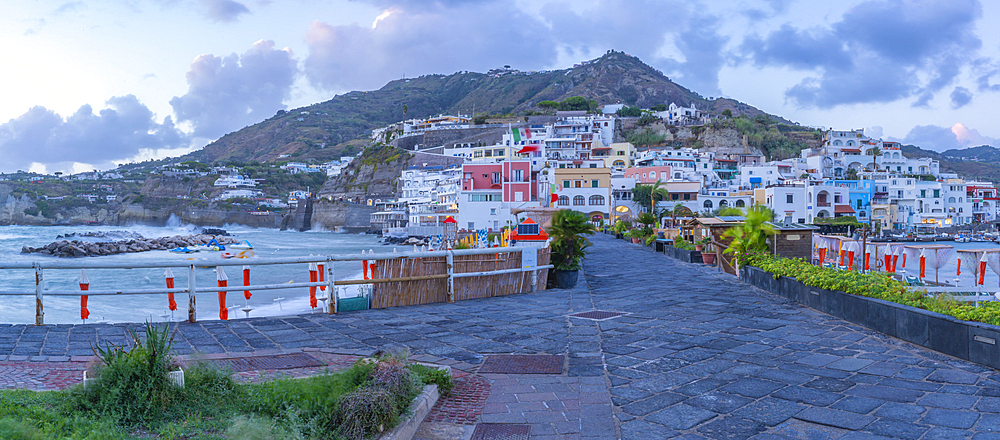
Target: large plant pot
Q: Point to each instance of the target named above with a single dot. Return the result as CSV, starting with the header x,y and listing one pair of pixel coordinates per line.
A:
x,y
699,247
635,241
708,257
566,279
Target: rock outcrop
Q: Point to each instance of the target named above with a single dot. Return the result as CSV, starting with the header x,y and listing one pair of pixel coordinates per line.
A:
x,y
77,248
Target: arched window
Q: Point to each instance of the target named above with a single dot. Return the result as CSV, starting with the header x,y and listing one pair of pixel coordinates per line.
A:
x,y
723,203
959,200
596,200
850,143
951,200
740,203
861,214
618,163
708,204
563,200
837,142
579,200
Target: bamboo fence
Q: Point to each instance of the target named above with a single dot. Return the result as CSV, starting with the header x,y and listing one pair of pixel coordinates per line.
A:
x,y
407,293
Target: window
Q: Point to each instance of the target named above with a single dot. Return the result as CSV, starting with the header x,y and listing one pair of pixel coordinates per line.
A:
x,y
594,183
740,203
708,204
578,183
789,198
687,196
578,200
563,200
593,165
937,193
663,175
837,198
519,175
493,211
565,184
923,193
472,226
621,153
859,203
596,200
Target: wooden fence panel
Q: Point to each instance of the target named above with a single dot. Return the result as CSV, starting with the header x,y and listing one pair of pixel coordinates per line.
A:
x,y
406,293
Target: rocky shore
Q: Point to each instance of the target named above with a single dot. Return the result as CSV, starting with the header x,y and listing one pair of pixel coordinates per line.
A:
x,y
76,248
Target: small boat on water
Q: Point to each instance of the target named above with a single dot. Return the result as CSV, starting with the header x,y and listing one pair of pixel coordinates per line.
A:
x,y
245,244
183,250
213,245
244,254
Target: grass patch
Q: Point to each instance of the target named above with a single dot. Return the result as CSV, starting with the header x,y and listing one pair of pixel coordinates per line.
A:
x,y
132,398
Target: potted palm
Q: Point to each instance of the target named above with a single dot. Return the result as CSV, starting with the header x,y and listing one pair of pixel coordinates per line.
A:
x,y
751,236
569,245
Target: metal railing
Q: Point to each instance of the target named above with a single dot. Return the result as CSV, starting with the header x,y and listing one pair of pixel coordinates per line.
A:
x,y
192,289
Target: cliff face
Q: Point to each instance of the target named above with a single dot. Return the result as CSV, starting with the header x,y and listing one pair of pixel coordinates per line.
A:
x,y
329,216
376,171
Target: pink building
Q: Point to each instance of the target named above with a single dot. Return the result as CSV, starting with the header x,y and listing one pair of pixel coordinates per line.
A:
x,y
649,174
490,190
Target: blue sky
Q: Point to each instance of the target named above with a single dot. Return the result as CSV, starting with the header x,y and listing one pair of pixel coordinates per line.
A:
x,y
90,84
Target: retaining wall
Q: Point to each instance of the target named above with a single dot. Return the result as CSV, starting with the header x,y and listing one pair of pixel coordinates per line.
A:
x,y
972,341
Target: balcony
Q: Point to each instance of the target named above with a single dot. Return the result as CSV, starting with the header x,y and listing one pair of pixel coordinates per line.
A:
x,y
823,204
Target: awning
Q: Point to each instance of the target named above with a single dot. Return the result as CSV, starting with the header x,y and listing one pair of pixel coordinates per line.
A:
x,y
843,209
756,180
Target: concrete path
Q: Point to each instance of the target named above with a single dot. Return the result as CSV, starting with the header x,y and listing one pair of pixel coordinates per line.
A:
x,y
698,355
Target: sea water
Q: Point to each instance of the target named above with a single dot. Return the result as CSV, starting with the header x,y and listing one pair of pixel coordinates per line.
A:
x,y
138,308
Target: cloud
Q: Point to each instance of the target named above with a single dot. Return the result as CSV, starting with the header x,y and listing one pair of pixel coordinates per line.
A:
x,y
423,39
960,97
226,94
876,43
939,138
412,38
69,7
116,133
224,10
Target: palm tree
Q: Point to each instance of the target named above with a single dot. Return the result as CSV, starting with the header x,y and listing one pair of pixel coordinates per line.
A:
x,y
652,192
751,236
567,232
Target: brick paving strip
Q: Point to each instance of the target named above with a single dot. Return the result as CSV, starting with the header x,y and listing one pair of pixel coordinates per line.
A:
x,y
699,354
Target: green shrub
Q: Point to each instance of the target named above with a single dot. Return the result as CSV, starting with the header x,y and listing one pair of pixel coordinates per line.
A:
x,y
132,385
366,410
11,429
433,376
875,285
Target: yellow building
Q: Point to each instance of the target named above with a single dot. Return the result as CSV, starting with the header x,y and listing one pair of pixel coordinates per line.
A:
x,y
587,190
617,156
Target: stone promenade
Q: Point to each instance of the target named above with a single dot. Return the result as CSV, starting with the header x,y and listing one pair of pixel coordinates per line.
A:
x,y
698,354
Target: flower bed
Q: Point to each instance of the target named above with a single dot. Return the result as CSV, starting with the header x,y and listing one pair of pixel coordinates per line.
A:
x,y
877,301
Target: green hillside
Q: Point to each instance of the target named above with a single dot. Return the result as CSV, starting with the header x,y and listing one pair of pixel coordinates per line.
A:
x,y
330,129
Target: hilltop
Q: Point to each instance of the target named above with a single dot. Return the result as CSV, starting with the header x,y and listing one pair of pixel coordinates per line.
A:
x,y
976,163
338,127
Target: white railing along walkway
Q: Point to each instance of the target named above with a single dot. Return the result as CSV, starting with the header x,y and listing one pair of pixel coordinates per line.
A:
x,y
192,289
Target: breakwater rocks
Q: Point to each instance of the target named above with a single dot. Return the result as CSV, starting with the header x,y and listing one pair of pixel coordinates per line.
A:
x,y
419,241
113,235
76,248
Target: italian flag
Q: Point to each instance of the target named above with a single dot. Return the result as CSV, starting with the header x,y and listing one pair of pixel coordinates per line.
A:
x,y
520,133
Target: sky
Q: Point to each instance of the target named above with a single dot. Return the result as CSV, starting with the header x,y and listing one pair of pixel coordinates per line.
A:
x,y
91,84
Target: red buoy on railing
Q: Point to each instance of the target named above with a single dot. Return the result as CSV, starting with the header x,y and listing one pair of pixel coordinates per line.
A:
x,y
169,275
822,254
903,257
84,286
246,281
223,282
312,289
958,267
888,260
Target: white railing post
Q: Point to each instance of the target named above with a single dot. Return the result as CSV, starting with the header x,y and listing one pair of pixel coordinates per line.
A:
x,y
450,267
39,291
331,288
192,306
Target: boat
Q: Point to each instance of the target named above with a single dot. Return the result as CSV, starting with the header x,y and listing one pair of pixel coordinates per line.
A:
x,y
241,255
245,244
183,250
213,245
